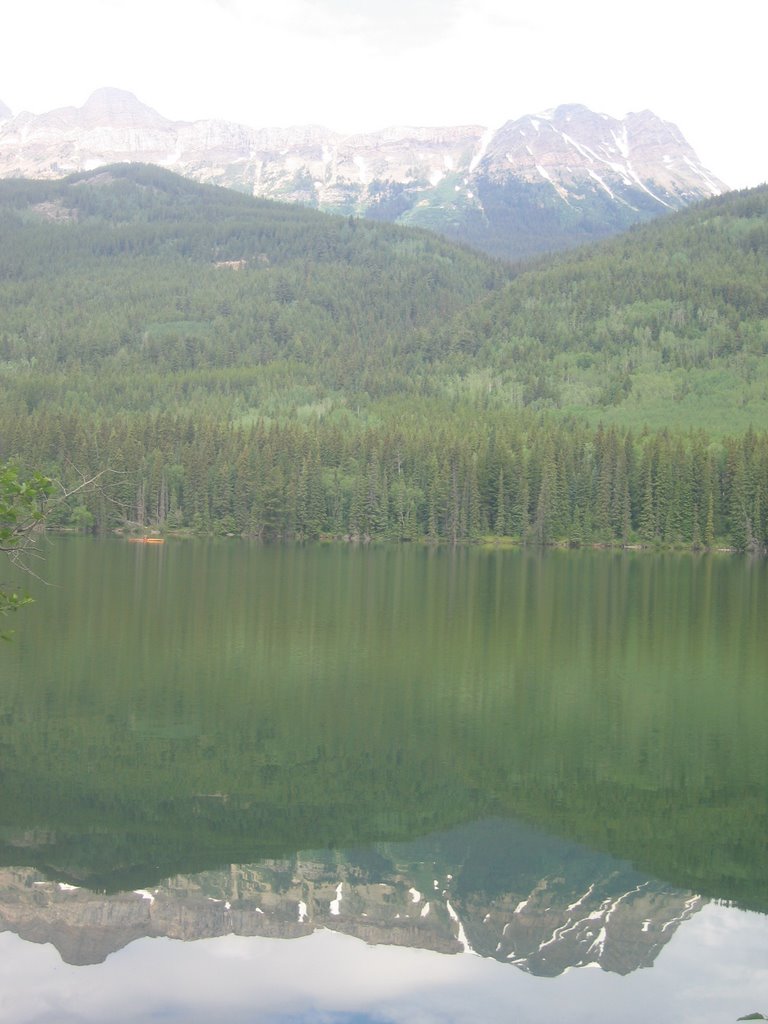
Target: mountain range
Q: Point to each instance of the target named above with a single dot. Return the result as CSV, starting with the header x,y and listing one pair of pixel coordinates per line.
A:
x,y
537,183
552,905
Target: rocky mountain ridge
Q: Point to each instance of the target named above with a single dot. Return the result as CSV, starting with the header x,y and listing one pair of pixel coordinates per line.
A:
x,y
538,182
543,933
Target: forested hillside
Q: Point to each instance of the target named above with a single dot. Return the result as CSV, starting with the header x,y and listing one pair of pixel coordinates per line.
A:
x,y
665,326
135,273
239,366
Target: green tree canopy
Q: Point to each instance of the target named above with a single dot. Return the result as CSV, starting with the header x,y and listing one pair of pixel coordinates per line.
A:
x,y
23,502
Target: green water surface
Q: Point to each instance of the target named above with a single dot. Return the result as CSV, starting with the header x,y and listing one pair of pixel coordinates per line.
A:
x,y
180,706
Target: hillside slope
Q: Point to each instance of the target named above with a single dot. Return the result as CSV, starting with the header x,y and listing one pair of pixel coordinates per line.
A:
x,y
666,325
246,367
132,271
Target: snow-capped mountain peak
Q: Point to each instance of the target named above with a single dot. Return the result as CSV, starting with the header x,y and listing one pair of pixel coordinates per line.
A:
x,y
466,181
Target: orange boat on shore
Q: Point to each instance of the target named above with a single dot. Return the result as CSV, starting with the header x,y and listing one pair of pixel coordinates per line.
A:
x,y
146,540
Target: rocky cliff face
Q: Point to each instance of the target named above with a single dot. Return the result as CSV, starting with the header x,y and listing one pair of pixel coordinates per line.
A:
x,y
551,929
544,932
572,148
86,926
537,183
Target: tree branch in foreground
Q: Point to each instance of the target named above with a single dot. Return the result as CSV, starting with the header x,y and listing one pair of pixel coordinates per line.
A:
x,y
25,501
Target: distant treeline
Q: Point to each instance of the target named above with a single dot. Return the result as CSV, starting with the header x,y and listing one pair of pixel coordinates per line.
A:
x,y
244,367
533,478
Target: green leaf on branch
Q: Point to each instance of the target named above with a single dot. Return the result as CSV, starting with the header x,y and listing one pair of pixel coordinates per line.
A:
x,y
22,508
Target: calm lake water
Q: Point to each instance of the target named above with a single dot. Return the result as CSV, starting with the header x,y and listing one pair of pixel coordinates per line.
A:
x,y
250,783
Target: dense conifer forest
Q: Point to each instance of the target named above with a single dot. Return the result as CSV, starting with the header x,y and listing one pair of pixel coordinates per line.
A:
x,y
238,366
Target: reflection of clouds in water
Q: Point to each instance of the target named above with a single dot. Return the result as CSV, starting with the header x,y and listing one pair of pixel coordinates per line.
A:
x,y
715,969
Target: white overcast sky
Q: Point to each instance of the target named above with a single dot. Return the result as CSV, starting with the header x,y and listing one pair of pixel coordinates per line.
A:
x,y
352,65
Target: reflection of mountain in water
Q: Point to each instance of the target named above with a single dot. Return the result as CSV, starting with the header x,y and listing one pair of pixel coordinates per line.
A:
x,y
230,703
495,888
602,927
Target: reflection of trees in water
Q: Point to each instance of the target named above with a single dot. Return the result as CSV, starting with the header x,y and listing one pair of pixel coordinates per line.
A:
x,y
226,702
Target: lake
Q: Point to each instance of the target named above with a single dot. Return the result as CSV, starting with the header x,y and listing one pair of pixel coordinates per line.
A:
x,y
336,783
